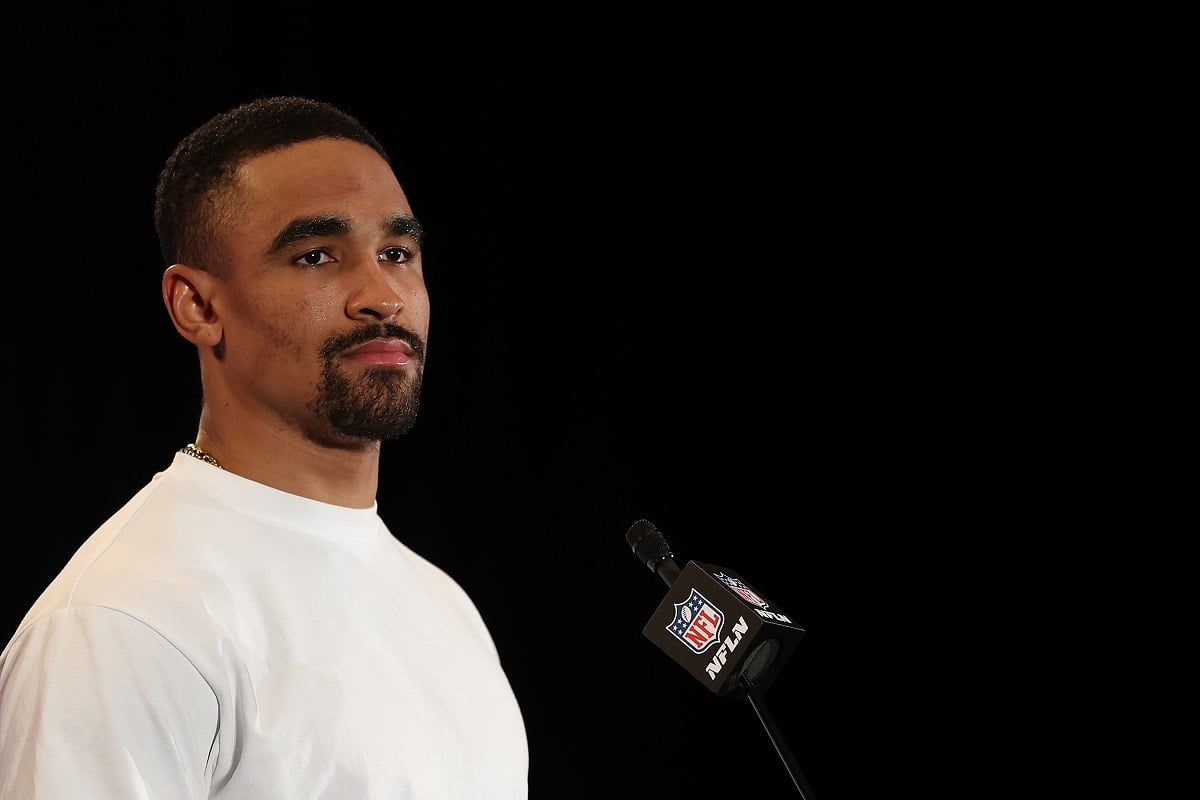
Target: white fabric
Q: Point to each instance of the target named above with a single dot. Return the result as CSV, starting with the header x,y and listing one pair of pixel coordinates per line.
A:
x,y
217,638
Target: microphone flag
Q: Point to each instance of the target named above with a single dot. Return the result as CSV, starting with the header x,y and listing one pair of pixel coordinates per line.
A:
x,y
720,629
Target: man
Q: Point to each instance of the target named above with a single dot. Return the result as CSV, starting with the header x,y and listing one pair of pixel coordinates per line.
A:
x,y
247,626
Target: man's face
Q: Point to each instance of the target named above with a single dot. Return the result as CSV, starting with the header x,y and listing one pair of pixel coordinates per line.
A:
x,y
322,299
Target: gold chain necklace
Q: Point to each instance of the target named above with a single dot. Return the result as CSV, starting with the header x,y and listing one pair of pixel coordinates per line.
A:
x,y
196,452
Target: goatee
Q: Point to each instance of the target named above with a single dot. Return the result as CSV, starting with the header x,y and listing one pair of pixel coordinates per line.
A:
x,y
382,402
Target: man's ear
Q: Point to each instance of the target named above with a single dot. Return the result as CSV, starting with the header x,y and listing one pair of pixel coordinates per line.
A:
x,y
187,293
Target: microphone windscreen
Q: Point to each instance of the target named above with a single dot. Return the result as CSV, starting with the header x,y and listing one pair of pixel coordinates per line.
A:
x,y
648,544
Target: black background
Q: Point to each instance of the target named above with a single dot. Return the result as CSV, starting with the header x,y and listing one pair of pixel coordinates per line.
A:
x,y
872,311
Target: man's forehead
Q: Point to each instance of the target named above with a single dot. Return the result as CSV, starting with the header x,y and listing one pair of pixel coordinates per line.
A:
x,y
321,178
318,168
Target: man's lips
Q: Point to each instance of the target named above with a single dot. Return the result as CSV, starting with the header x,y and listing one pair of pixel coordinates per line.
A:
x,y
389,352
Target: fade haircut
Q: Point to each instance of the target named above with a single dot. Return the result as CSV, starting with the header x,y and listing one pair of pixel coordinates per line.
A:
x,y
193,190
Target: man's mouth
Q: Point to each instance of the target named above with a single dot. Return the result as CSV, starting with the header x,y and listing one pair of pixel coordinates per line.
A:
x,y
381,352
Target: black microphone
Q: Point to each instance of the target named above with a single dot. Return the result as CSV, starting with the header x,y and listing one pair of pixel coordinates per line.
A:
x,y
651,547
712,622
720,629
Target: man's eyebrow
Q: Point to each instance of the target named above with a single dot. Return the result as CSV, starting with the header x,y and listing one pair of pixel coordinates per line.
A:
x,y
308,227
404,225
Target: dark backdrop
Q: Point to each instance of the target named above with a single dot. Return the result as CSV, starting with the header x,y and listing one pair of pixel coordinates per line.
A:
x,y
843,307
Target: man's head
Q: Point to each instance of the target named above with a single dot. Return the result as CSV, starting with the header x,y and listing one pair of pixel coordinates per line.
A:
x,y
295,268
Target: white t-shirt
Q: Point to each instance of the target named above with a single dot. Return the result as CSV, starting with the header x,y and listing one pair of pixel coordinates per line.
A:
x,y
218,638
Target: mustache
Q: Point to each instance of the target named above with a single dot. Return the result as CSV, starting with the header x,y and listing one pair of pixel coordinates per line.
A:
x,y
384,330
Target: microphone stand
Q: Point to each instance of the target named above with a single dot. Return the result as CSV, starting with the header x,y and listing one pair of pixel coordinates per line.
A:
x,y
760,708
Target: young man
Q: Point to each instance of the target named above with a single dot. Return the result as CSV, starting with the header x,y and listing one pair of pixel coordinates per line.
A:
x,y
247,626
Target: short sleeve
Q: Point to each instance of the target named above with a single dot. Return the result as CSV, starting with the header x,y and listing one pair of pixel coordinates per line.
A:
x,y
96,704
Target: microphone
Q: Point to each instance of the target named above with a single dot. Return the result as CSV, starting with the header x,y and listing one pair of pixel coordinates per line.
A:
x,y
720,629
651,547
713,623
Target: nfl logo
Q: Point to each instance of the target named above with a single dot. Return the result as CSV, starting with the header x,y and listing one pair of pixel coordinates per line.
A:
x,y
697,622
743,591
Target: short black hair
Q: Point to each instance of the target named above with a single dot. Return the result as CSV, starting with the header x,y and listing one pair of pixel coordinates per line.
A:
x,y
190,194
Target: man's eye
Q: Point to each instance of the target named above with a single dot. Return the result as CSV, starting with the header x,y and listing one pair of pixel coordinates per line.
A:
x,y
397,254
314,258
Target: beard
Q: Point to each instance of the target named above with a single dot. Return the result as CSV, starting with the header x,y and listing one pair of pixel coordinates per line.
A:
x,y
382,403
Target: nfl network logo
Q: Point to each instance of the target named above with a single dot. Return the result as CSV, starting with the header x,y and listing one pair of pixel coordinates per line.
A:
x,y
697,622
